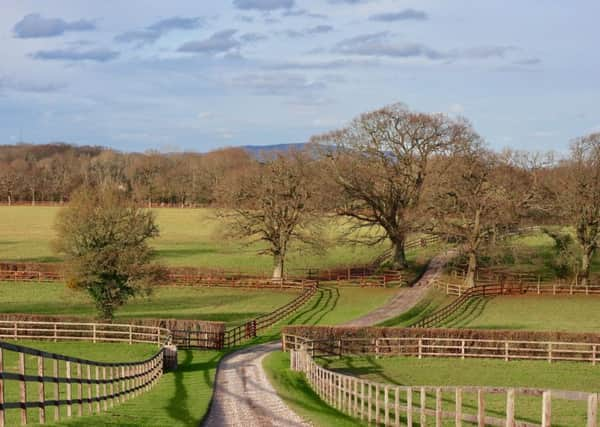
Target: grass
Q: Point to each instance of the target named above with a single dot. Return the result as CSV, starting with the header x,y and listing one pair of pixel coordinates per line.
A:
x,y
189,237
102,352
456,372
578,313
219,304
431,302
299,396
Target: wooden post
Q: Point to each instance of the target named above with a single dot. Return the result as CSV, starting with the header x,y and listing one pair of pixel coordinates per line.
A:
x,y
423,407
409,407
22,389
69,389
362,400
79,390
89,388
592,410
397,407
112,386
480,408
2,416
458,407
41,391
510,407
546,409
98,389
369,403
377,409
56,389
386,403
420,348
130,334
104,394
438,407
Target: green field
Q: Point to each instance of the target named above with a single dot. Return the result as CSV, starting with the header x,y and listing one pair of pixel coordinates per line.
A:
x,y
456,372
189,237
218,304
577,313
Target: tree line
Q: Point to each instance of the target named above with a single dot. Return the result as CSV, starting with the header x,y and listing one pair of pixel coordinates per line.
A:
x,y
52,172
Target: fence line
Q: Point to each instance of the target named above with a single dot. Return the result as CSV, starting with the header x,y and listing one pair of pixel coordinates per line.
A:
x,y
73,331
504,288
455,347
236,335
392,405
105,383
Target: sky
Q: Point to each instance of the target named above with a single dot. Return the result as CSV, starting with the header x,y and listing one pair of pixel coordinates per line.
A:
x,y
197,75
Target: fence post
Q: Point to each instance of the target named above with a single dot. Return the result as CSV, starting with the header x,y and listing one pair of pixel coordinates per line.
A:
x,y
79,391
438,407
386,402
130,334
546,409
41,391
420,348
510,407
2,416
480,408
592,410
94,332
409,407
22,389
69,389
458,407
423,406
397,407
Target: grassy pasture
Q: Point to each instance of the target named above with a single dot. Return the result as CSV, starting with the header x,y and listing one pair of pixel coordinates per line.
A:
x,y
441,371
218,304
189,237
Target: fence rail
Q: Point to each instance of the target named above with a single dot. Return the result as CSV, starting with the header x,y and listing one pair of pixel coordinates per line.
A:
x,y
238,334
72,383
392,405
73,331
504,288
455,347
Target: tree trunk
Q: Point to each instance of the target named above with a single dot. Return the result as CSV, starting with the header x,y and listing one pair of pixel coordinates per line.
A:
x,y
32,197
399,260
471,269
278,261
586,262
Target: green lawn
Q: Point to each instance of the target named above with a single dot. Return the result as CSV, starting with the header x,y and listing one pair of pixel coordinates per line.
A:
x,y
439,371
189,237
578,313
218,304
101,352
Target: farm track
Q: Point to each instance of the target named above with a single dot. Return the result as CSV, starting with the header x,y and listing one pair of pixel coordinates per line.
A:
x,y
243,395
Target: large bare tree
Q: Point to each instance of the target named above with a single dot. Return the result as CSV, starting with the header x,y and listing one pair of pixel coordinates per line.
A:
x,y
380,163
274,202
579,197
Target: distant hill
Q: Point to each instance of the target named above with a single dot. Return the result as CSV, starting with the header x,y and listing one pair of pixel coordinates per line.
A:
x,y
256,150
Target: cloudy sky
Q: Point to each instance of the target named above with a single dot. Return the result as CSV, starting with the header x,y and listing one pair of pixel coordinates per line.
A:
x,y
195,75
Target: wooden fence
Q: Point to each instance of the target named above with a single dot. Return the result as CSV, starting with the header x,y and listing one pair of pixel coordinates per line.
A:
x,y
505,288
455,347
69,382
73,331
236,335
391,405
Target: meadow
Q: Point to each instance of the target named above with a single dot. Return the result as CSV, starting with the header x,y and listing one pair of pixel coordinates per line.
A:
x,y
232,306
188,237
472,372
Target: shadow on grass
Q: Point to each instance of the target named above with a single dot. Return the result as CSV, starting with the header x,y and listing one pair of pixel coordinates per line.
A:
x,y
179,403
182,252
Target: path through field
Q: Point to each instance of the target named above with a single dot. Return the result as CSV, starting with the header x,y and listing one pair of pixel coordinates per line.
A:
x,y
243,395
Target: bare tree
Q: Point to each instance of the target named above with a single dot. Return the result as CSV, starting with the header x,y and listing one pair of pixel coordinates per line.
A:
x,y
380,163
468,200
579,197
272,202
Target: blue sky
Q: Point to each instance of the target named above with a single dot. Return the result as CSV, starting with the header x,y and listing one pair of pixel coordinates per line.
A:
x,y
196,75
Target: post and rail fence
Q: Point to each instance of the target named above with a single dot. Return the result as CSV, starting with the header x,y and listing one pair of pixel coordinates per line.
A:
x,y
383,404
